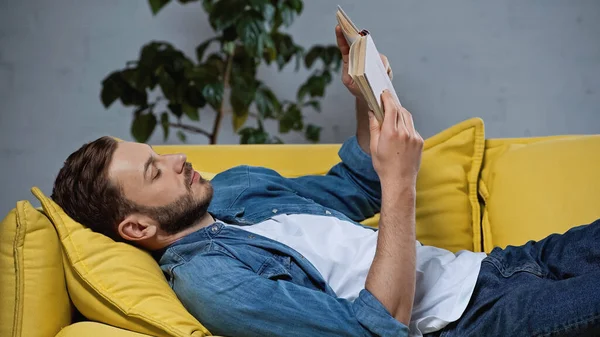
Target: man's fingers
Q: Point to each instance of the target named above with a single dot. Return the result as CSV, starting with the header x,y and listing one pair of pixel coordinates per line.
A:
x,y
408,121
342,44
390,111
386,64
375,130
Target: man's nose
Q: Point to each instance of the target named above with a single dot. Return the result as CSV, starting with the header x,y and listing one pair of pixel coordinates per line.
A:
x,y
178,162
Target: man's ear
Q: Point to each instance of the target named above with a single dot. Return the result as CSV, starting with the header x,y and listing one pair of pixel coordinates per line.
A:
x,y
136,227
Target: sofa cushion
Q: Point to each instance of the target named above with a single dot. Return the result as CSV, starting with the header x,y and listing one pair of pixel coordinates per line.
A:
x,y
495,148
533,190
94,329
116,283
34,300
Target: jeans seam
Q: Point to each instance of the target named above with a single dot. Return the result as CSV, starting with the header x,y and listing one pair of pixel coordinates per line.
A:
x,y
499,265
569,326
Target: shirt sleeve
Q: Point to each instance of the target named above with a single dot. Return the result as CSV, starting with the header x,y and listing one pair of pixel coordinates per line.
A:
x,y
230,299
351,186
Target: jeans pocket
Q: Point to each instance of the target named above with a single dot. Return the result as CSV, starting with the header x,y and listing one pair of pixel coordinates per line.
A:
x,y
512,260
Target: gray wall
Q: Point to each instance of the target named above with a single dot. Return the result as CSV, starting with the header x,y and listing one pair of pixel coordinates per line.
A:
x,y
528,68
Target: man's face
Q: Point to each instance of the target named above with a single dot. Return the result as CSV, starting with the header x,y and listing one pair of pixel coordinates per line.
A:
x,y
165,188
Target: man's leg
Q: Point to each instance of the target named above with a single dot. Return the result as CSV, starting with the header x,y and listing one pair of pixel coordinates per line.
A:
x,y
545,288
561,256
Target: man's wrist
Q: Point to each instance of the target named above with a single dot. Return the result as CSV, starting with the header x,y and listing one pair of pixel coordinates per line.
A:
x,y
398,192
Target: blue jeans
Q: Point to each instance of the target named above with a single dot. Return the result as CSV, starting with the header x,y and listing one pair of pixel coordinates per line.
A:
x,y
545,288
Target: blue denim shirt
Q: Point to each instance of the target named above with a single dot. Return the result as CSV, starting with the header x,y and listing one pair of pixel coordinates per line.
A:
x,y
242,284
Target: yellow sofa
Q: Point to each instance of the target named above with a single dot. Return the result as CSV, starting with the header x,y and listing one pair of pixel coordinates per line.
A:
x,y
473,194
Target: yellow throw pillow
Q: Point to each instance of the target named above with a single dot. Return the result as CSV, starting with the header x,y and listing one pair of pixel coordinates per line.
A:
x,y
33,296
116,283
542,188
448,211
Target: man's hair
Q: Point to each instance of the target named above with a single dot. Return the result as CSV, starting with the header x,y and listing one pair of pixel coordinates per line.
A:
x,y
85,192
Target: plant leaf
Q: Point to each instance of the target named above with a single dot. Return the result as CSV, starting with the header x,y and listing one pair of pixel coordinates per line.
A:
x,y
266,103
225,13
191,112
302,92
299,57
326,75
295,5
176,109
193,96
142,127
112,87
208,6
291,119
149,55
239,121
243,91
315,104
251,135
314,86
269,52
313,133
286,48
164,121
157,5
182,137
332,56
287,15
202,48
259,5
213,93
250,29
166,83
314,53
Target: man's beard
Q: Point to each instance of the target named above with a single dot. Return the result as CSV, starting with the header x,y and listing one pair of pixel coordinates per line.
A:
x,y
184,212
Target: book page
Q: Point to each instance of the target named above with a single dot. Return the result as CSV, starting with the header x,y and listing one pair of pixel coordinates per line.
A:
x,y
348,27
376,73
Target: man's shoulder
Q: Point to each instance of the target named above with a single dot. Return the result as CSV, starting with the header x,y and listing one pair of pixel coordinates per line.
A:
x,y
240,177
202,249
244,170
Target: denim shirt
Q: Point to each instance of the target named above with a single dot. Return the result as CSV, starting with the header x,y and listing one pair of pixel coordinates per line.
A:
x,y
242,284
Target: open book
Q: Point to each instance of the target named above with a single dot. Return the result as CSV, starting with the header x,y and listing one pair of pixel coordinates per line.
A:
x,y
365,65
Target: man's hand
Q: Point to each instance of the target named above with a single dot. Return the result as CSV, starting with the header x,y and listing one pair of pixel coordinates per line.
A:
x,y
395,145
345,50
396,153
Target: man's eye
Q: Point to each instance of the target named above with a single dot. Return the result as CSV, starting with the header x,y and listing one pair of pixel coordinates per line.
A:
x,y
157,175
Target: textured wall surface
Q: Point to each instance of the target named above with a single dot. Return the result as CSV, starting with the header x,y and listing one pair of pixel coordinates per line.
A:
x,y
528,68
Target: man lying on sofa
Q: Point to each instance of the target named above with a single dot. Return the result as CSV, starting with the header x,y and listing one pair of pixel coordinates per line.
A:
x,y
254,254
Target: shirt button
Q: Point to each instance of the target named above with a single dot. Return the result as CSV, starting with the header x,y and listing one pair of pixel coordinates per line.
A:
x,y
274,210
327,212
214,229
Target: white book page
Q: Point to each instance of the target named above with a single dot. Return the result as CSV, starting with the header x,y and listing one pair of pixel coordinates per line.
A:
x,y
353,34
376,73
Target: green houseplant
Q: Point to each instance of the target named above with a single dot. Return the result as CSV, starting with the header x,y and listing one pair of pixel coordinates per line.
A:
x,y
164,85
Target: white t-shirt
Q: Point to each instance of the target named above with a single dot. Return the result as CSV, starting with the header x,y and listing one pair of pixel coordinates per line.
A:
x,y
343,252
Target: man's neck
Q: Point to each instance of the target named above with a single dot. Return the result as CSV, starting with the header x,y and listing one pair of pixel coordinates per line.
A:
x,y
166,240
